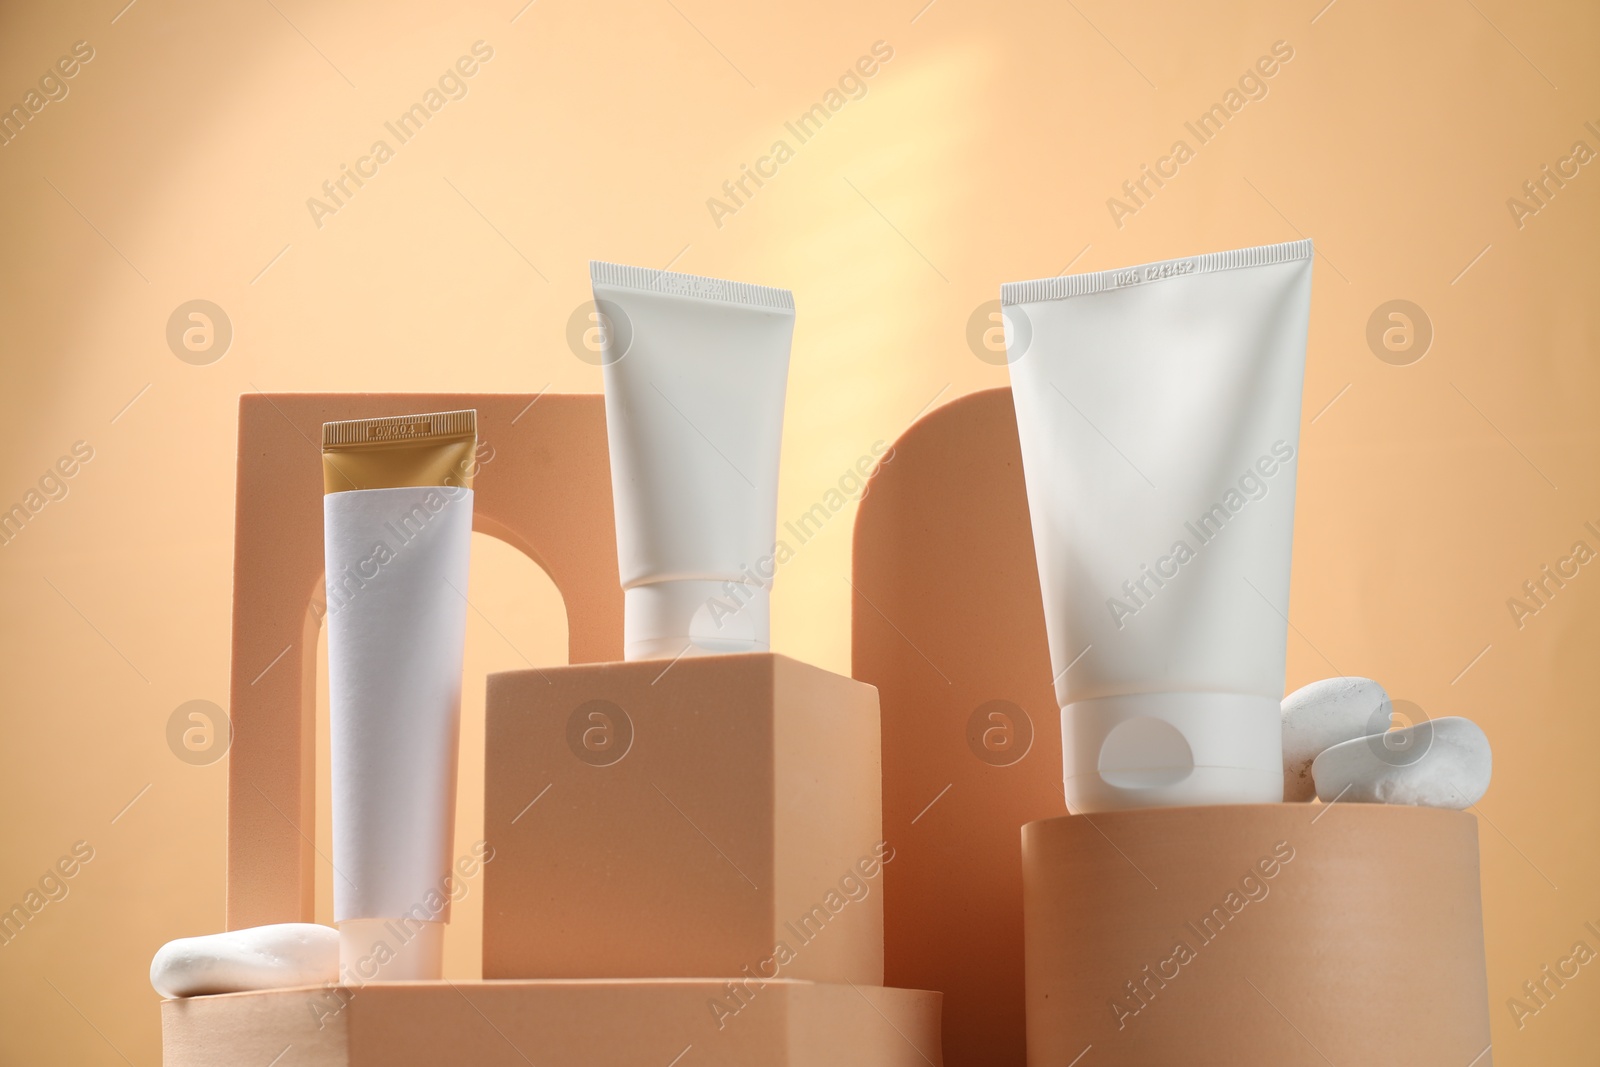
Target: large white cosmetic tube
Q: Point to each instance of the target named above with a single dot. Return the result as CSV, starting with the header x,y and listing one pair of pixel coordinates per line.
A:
x,y
1159,414
695,371
397,518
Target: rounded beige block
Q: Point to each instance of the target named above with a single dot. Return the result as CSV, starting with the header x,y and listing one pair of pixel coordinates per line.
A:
x,y
1274,933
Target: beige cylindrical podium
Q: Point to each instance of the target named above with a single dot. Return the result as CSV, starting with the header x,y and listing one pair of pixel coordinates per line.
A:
x,y
1281,934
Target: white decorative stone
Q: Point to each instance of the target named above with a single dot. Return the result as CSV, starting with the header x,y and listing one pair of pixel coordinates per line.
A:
x,y
1324,714
1439,763
262,957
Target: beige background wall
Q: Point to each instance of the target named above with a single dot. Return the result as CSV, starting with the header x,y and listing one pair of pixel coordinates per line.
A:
x,y
178,167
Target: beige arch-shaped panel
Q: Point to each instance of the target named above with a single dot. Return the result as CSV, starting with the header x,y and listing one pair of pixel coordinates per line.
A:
x,y
546,491
948,623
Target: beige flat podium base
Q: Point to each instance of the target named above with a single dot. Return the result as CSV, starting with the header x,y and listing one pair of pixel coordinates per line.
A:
x,y
1282,934
596,1023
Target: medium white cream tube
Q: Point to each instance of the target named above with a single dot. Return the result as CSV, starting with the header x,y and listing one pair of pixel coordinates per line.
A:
x,y
695,372
396,586
1158,409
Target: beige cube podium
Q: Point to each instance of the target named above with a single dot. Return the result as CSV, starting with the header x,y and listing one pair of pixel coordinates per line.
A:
x,y
707,817
597,1023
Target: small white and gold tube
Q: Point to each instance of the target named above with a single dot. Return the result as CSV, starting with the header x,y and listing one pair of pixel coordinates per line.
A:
x,y
397,514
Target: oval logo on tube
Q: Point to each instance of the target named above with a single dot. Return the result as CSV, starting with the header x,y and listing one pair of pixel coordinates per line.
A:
x,y
599,733
599,332
999,733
